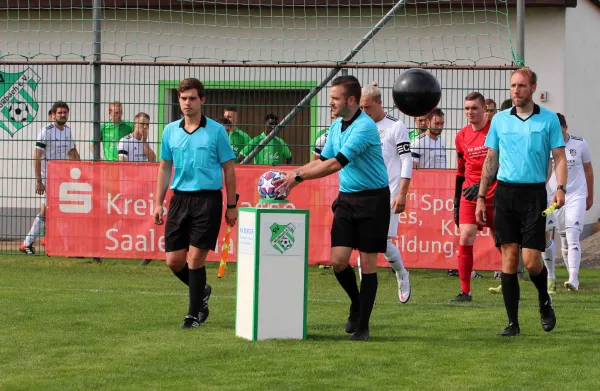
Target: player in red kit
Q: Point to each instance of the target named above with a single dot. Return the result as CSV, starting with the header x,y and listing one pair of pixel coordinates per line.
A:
x,y
471,152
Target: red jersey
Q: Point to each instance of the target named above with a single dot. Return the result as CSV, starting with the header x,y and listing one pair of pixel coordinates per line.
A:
x,y
471,152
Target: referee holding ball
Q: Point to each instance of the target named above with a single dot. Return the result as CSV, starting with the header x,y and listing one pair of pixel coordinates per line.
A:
x,y
520,140
361,212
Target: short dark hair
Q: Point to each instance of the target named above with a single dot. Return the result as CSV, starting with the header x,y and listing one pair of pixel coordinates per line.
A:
x,y
191,84
50,112
230,108
59,105
561,119
507,104
271,116
224,121
140,115
351,86
475,96
490,102
436,112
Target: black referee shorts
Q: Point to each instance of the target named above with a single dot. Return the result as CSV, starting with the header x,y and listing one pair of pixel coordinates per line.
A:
x,y
194,218
518,216
361,220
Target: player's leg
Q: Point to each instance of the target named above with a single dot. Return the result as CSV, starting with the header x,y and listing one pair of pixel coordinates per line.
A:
x,y
176,238
574,218
206,214
533,230
39,224
394,258
507,227
343,239
548,258
468,233
371,215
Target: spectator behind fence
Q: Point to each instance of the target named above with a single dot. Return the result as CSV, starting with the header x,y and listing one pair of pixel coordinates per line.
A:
x,y
420,128
112,132
53,143
491,109
320,142
429,149
275,152
507,104
237,138
134,147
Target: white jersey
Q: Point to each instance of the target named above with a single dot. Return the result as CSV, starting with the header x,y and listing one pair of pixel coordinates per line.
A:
x,y
132,149
320,144
577,152
395,145
55,143
429,153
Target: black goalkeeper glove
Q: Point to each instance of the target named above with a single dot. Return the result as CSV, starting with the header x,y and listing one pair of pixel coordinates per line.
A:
x,y
456,211
471,192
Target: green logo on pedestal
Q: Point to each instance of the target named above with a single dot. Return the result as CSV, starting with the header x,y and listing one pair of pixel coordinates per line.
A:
x,y
282,236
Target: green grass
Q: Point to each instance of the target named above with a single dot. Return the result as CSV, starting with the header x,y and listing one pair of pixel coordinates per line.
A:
x,y
66,324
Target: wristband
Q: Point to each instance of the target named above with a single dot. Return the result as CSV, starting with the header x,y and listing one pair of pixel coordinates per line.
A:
x,y
232,206
479,196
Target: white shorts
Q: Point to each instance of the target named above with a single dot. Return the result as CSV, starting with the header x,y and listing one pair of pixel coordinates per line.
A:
x,y
393,229
572,215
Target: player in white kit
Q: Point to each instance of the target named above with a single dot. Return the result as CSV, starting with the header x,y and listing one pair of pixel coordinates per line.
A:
x,y
134,147
395,144
54,142
570,218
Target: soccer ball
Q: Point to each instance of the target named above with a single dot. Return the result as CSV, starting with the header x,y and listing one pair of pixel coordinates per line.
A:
x,y
18,112
286,242
265,187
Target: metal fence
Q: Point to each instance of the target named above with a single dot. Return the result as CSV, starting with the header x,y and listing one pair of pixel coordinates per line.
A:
x,y
254,90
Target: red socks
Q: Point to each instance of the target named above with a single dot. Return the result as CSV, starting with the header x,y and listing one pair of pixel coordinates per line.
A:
x,y
465,267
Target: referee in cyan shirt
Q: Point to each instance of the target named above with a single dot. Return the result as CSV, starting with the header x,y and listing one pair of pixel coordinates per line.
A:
x,y
521,140
362,208
199,149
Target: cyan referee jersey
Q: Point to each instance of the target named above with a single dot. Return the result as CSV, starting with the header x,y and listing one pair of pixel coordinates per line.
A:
x,y
524,145
196,156
357,146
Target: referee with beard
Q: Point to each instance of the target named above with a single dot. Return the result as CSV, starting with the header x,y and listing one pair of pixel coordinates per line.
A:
x,y
361,212
521,140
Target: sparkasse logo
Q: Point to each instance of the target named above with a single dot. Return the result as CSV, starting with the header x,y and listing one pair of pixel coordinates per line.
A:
x,y
75,197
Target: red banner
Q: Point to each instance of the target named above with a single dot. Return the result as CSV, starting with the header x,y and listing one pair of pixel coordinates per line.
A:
x,y
105,210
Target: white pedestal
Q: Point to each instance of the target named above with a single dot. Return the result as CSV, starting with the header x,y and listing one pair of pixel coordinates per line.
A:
x,y
272,273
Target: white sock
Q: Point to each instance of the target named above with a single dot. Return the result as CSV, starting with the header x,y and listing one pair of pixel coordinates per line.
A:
x,y
548,256
393,256
564,247
38,224
359,269
574,255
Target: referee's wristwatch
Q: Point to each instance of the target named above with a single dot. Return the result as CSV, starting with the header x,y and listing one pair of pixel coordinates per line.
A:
x,y
561,187
233,206
298,178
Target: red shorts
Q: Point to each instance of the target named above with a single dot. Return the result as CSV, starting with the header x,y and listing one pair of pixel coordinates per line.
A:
x,y
467,213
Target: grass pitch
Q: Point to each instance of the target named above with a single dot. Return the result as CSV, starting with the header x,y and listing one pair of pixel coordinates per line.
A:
x,y
66,324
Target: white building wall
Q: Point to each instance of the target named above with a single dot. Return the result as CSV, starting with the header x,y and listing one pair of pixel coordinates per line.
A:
x,y
582,83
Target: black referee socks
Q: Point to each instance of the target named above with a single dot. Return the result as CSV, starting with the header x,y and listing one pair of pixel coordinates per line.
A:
x,y
511,293
368,291
197,285
183,274
347,280
541,283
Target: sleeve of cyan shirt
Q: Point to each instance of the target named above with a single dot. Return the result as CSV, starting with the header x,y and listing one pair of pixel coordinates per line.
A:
x,y
556,138
491,140
224,150
165,149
